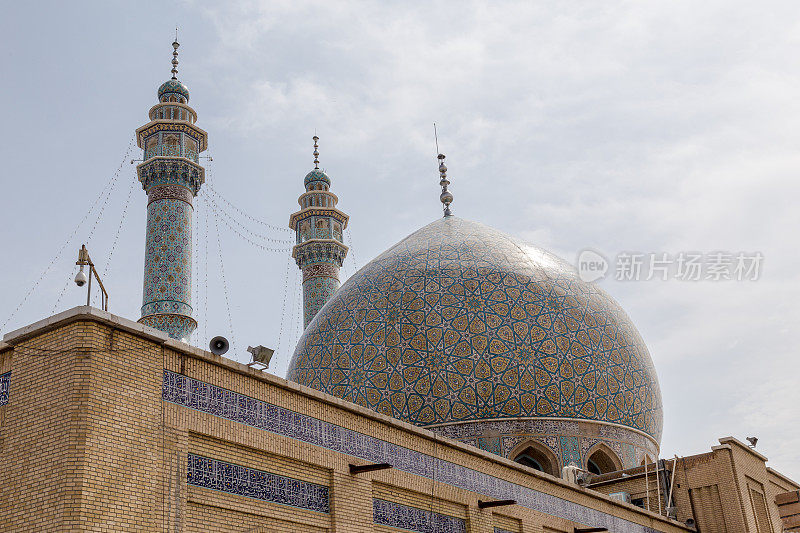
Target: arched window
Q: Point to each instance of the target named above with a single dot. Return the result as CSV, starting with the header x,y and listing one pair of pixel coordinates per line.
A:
x,y
535,455
602,461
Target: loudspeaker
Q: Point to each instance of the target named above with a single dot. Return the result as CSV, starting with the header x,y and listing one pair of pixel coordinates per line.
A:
x,y
218,345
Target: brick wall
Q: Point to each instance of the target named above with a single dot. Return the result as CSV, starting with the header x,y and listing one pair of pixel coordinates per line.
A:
x,y
89,445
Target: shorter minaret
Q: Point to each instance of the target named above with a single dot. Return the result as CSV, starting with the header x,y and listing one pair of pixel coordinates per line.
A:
x,y
320,249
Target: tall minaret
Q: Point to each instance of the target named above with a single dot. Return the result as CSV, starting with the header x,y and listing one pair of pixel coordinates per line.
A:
x,y
171,176
320,249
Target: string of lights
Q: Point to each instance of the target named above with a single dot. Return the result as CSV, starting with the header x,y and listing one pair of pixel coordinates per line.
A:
x,y
224,282
107,267
256,235
61,294
196,269
244,237
352,252
205,274
299,317
216,193
108,194
66,243
283,305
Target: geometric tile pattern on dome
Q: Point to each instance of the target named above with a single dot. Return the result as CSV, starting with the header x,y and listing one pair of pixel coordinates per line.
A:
x,y
207,398
243,481
462,322
173,87
393,514
5,382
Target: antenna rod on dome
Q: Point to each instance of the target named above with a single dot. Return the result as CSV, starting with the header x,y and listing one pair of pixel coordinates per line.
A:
x,y
175,46
446,197
316,152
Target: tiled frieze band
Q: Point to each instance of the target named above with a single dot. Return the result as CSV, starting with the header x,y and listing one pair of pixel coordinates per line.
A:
x,y
401,516
5,381
243,481
208,398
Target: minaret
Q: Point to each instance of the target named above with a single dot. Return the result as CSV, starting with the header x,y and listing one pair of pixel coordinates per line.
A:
x,y
320,249
171,176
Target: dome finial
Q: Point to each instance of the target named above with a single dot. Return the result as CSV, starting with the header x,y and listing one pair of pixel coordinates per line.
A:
x,y
175,46
316,152
446,197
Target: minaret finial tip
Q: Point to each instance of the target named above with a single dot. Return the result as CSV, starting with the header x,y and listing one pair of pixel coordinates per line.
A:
x,y
175,46
446,197
316,152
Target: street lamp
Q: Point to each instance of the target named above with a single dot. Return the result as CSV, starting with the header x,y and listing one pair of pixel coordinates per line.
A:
x,y
81,278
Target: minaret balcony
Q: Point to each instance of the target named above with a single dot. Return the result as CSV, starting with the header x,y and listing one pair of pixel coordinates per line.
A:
x,y
313,250
171,151
171,171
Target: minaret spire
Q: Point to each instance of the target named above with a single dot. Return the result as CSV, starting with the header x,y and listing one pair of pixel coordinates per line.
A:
x,y
320,249
446,197
175,46
171,175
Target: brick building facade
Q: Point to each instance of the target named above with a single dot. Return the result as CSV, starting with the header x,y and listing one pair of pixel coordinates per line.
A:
x,y
109,425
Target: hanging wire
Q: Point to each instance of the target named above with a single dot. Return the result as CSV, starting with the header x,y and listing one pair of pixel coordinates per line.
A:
x,y
195,266
241,212
61,294
110,183
205,272
283,305
224,282
107,268
219,209
217,218
108,194
300,315
352,252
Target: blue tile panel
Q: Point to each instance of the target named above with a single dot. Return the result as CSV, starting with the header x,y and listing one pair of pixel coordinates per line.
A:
x,y
501,530
244,481
404,517
5,381
208,398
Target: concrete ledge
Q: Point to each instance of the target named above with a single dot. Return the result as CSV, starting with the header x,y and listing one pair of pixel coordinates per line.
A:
x,y
742,445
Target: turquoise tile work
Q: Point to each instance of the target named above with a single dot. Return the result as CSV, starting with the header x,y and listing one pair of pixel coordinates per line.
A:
x,y
208,398
460,322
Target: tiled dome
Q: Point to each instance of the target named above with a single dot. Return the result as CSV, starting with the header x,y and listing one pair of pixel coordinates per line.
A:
x,y
173,87
316,175
460,322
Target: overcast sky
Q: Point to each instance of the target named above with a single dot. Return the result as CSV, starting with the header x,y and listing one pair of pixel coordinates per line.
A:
x,y
658,127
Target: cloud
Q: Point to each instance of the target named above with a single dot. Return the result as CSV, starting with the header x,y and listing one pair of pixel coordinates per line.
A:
x,y
621,126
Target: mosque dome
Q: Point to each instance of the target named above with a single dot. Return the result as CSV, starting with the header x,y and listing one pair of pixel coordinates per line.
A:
x,y
175,87
460,324
316,175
